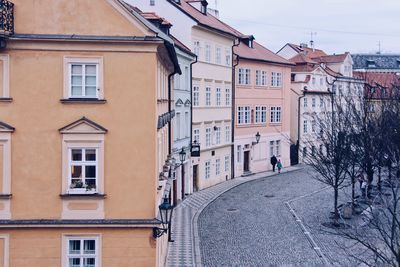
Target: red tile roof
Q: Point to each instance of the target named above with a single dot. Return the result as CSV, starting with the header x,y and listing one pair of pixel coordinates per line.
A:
x,y
259,52
301,58
154,16
305,67
307,51
205,20
382,79
332,58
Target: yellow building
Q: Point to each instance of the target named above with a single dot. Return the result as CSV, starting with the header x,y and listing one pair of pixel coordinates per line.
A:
x,y
84,134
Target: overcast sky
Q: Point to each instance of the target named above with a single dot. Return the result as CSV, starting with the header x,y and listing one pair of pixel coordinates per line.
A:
x,y
340,25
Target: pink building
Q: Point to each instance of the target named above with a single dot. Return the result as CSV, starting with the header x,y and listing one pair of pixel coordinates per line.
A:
x,y
262,107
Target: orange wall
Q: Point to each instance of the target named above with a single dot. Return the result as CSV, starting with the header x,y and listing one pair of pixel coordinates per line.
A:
x,y
36,85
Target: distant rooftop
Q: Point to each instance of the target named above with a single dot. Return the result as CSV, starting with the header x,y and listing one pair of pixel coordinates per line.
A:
x,y
378,62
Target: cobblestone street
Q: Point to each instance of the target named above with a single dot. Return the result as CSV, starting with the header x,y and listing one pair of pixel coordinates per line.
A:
x,y
250,224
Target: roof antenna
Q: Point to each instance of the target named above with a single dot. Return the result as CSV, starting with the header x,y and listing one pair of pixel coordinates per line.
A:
x,y
379,48
312,40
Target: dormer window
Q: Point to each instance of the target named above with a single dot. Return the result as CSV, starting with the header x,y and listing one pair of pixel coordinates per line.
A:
x,y
251,43
371,64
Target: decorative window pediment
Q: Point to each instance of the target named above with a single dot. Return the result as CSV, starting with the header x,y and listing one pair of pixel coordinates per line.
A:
x,y
188,103
179,103
5,128
83,126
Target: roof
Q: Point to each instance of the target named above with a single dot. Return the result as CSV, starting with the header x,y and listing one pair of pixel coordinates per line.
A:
x,y
309,52
301,58
182,47
381,79
154,16
259,52
381,61
305,67
208,20
332,58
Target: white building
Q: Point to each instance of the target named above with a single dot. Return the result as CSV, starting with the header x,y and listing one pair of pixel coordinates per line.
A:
x,y
212,41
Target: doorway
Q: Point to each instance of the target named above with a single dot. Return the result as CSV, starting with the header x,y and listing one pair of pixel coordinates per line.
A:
x,y
195,174
246,161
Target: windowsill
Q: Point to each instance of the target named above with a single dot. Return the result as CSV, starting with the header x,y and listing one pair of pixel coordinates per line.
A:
x,y
5,196
261,87
6,99
83,101
94,195
275,124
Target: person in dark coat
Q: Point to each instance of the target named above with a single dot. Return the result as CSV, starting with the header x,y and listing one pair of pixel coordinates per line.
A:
x,y
274,160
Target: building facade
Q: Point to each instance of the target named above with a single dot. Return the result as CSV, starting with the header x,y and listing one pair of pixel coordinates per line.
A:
x,y
76,83
262,106
211,41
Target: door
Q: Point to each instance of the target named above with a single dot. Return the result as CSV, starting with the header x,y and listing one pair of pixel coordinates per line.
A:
x,y
246,163
195,174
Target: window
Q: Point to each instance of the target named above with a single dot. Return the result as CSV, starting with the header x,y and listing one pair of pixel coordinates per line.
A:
x,y
313,80
196,48
208,96
305,127
276,114
84,78
218,97
187,124
321,102
82,252
278,148
313,126
217,135
321,81
227,97
4,77
196,96
5,166
261,78
313,102
208,53
305,102
217,167
239,153
271,148
261,114
243,115
207,169
227,134
196,136
227,161
178,126
83,167
177,81
152,2
218,55
228,60
276,79
208,137
244,76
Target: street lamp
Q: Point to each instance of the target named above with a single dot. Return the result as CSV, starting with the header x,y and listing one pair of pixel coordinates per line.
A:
x,y
165,210
182,155
258,136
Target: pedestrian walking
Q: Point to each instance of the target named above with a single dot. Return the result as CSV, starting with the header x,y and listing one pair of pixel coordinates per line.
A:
x,y
274,161
279,165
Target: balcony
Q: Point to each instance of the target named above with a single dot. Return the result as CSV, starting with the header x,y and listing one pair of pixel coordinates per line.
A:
x,y
6,18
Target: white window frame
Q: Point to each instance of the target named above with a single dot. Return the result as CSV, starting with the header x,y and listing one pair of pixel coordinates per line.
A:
x,y
228,60
305,102
261,115
276,114
66,254
313,102
208,96
69,61
207,55
207,169
244,76
217,166
196,48
227,163
278,148
305,126
5,59
218,55
272,148
196,135
217,135
276,79
208,136
261,78
196,96
228,97
228,136
83,163
239,154
244,115
218,96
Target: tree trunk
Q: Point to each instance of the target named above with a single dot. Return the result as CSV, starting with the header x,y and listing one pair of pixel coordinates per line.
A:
x,y
353,185
336,210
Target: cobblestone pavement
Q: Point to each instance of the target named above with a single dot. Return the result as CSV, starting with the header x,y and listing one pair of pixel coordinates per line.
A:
x,y
250,225
183,251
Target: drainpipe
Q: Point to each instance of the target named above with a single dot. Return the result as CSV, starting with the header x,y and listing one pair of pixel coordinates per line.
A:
x,y
233,102
191,111
298,122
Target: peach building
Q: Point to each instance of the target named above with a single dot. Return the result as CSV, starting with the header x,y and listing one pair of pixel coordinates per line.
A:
x,y
262,107
84,129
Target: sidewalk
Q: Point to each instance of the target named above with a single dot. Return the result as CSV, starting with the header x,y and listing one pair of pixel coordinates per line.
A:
x,y
185,251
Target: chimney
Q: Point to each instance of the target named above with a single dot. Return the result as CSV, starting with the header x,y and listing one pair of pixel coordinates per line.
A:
x,y
204,5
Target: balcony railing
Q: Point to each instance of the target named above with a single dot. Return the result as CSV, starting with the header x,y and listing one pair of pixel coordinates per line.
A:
x,y
6,18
